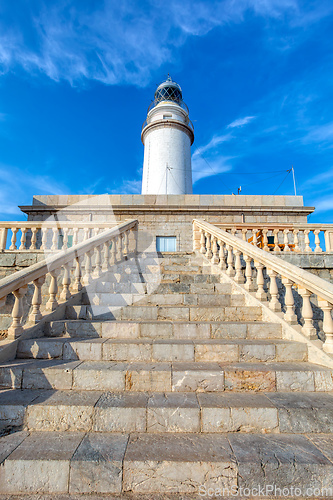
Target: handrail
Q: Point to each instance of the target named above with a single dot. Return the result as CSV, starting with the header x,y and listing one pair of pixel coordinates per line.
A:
x,y
288,237
17,282
20,278
56,223
212,241
38,235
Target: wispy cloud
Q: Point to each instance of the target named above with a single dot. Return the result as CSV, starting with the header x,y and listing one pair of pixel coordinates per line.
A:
x,y
240,122
127,187
17,184
123,42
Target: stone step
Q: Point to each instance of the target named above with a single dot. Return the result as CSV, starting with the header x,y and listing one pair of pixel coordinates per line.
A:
x,y
174,313
183,278
219,350
275,412
164,329
181,463
164,376
125,299
143,288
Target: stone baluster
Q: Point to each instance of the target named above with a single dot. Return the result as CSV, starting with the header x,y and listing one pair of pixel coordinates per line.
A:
x,y
77,286
274,303
260,293
296,242
276,240
307,314
202,241
87,269
86,233
134,231
215,256
54,246
35,315
3,238
307,240
75,236
317,241
286,240
66,281
16,327
208,246
249,285
106,257
23,238
126,251
328,235
33,238
239,277
230,262
52,303
119,254
327,324
265,240
289,315
13,239
233,231
98,268
44,239
244,231
254,237
65,239
222,263
113,251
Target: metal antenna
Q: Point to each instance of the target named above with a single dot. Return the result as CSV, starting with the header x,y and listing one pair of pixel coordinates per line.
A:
x,y
292,169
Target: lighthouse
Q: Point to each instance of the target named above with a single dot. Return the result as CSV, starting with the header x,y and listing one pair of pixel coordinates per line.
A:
x,y
167,136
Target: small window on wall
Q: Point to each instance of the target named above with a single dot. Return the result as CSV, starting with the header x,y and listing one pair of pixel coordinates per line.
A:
x,y
165,117
166,243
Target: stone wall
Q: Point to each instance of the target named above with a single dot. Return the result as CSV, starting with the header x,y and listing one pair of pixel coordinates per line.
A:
x,y
169,215
320,264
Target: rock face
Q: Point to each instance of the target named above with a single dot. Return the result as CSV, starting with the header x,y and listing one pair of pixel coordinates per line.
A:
x,y
169,386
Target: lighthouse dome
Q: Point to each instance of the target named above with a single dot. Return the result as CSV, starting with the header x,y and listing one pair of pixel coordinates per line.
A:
x,y
168,91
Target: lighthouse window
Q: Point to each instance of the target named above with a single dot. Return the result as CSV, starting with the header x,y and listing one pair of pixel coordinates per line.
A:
x,y
167,116
166,243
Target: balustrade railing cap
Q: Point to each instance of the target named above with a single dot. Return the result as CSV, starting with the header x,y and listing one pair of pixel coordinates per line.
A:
x,y
302,278
55,261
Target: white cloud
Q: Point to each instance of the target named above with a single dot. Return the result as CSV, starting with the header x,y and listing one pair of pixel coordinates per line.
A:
x,y
321,134
240,122
201,168
324,205
16,184
122,42
215,141
127,187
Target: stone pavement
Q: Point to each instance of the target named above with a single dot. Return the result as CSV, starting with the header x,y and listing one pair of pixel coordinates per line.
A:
x,y
164,382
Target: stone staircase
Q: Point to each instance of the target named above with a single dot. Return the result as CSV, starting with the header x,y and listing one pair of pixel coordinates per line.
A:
x,y
162,380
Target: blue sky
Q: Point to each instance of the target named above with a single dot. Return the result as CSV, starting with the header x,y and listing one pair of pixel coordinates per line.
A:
x,y
76,78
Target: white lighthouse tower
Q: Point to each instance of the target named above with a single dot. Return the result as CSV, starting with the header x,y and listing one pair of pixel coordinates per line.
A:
x,y
167,136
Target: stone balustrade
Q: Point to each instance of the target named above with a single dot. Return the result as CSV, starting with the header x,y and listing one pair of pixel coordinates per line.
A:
x,y
251,266
305,238
47,236
89,259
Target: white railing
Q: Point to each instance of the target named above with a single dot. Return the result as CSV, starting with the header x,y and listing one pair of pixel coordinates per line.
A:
x,y
108,248
276,237
50,236
227,251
